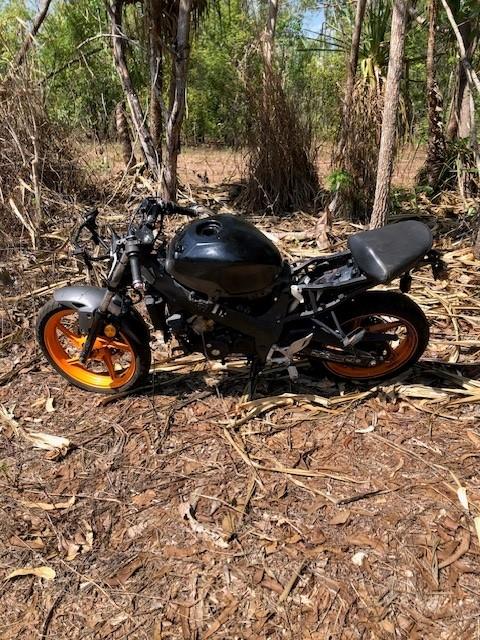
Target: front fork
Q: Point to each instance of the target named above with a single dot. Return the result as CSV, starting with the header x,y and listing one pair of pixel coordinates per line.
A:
x,y
101,313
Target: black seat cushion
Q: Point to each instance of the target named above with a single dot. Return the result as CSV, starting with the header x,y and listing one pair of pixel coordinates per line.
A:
x,y
383,254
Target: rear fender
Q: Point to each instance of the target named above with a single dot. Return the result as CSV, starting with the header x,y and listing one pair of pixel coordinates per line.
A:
x,y
85,300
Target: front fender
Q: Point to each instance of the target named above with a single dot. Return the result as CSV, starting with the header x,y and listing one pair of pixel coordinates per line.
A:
x,y
86,299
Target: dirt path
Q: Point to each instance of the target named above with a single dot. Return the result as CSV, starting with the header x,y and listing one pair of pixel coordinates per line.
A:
x,y
202,164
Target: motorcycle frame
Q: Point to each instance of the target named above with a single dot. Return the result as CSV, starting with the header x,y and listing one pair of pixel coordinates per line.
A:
x,y
264,329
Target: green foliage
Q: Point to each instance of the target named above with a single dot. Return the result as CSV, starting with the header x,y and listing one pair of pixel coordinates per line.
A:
x,y
81,83
339,179
216,108
314,78
14,14
82,88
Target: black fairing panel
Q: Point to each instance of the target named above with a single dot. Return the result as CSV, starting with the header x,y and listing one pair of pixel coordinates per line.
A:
x,y
223,256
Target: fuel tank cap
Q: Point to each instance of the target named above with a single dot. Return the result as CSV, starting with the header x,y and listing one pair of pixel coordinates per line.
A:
x,y
209,228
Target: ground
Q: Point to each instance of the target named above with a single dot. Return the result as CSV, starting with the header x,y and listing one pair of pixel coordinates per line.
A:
x,y
181,512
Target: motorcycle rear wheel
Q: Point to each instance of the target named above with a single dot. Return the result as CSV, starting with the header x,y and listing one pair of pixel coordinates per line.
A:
x,y
378,312
117,364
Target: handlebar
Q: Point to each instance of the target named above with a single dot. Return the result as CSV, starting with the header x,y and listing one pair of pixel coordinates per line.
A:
x,y
153,208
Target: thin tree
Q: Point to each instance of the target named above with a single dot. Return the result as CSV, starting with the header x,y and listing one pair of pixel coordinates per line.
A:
x,y
123,133
181,54
436,147
153,17
467,79
340,200
268,36
351,72
30,38
115,11
390,113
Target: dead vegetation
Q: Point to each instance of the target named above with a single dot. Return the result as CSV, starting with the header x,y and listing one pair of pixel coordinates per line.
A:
x,y
316,511
280,172
37,165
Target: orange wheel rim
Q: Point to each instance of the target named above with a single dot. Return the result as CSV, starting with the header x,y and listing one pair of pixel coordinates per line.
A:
x,y
112,362
397,355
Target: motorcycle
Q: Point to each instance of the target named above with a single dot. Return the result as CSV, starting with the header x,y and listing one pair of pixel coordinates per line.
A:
x,y
221,287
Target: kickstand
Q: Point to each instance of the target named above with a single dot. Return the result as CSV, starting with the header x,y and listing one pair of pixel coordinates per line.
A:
x,y
255,368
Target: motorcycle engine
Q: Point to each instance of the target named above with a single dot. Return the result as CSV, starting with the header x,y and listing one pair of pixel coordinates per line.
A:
x,y
196,333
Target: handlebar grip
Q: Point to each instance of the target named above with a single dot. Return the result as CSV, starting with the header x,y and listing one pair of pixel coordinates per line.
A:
x,y
137,281
185,211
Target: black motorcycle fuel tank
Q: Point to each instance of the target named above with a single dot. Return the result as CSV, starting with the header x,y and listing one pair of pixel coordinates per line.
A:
x,y
223,256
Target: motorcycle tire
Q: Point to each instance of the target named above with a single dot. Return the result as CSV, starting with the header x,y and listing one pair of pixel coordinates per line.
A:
x,y
379,311
117,364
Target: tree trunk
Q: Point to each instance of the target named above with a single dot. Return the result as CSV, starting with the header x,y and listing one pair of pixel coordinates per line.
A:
x,y
115,11
466,42
268,37
436,148
458,121
37,23
154,22
390,110
351,73
466,53
181,52
123,133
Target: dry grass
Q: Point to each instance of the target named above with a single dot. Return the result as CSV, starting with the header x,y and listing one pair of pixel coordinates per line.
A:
x,y
317,511
36,163
280,172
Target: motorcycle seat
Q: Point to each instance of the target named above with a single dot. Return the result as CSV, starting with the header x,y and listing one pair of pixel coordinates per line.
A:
x,y
384,254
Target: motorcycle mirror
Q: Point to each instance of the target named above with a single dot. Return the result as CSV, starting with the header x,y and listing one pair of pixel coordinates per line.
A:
x,y
91,219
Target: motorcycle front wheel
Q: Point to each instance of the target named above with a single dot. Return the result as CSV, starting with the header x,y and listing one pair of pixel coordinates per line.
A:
x,y
116,364
380,313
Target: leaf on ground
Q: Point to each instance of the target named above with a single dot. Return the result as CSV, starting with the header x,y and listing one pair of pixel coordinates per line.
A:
x,y
362,540
47,441
229,525
72,551
476,521
368,429
474,437
462,497
50,506
186,512
221,619
41,572
144,499
125,572
49,408
358,558
33,543
462,548
341,517
85,537
388,626
8,420
172,551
